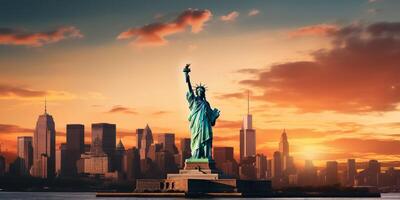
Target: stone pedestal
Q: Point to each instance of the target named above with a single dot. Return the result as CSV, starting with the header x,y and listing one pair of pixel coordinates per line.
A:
x,y
196,169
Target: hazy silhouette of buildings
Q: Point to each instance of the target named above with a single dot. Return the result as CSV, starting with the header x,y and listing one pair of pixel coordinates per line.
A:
x,y
44,147
370,175
331,173
247,136
351,172
308,176
75,147
25,153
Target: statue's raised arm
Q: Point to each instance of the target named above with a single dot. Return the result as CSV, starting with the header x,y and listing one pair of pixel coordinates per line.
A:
x,y
186,70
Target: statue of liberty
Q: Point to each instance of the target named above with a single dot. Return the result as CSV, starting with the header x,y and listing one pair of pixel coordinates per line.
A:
x,y
201,119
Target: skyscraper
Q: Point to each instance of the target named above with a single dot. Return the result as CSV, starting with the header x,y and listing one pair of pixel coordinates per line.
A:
x,y
147,140
168,142
331,176
119,156
131,163
138,137
104,137
261,166
63,161
25,152
284,149
2,165
107,136
276,165
44,147
75,146
224,160
351,171
247,135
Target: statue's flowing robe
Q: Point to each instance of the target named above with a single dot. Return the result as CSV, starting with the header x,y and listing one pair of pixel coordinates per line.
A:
x,y
201,118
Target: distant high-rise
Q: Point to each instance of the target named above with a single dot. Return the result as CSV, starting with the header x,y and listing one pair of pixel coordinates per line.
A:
x,y
106,135
44,147
168,142
284,149
138,137
276,165
351,171
119,156
331,176
131,164
247,135
75,146
147,140
2,165
224,160
261,166
25,153
63,161
284,144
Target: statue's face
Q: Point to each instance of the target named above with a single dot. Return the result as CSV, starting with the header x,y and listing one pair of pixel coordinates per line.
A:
x,y
200,92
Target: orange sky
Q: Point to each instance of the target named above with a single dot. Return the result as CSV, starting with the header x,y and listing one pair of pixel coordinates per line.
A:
x,y
332,84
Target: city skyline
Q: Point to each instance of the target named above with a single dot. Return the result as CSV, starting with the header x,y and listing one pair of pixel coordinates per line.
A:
x,y
337,95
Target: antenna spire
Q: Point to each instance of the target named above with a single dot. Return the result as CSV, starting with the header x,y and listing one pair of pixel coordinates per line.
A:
x,y
248,102
45,105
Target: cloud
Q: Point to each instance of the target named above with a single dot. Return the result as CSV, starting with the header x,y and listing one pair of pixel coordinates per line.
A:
x,y
8,91
228,124
358,74
314,30
357,145
10,36
230,16
161,112
253,12
122,109
155,33
10,128
374,11
374,1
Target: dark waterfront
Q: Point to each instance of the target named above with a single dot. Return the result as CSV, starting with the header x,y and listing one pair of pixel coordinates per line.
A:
x,y
92,195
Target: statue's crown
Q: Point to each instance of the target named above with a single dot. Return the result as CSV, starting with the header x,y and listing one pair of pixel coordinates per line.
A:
x,y
201,86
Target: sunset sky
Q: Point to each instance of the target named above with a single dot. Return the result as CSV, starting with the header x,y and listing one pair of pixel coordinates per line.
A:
x,y
327,71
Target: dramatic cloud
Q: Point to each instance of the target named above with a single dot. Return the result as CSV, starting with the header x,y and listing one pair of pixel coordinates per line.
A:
x,y
21,37
155,33
360,73
121,109
253,12
9,128
314,30
230,16
8,91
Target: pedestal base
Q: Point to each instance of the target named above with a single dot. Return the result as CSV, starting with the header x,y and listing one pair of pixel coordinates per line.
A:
x,y
197,169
